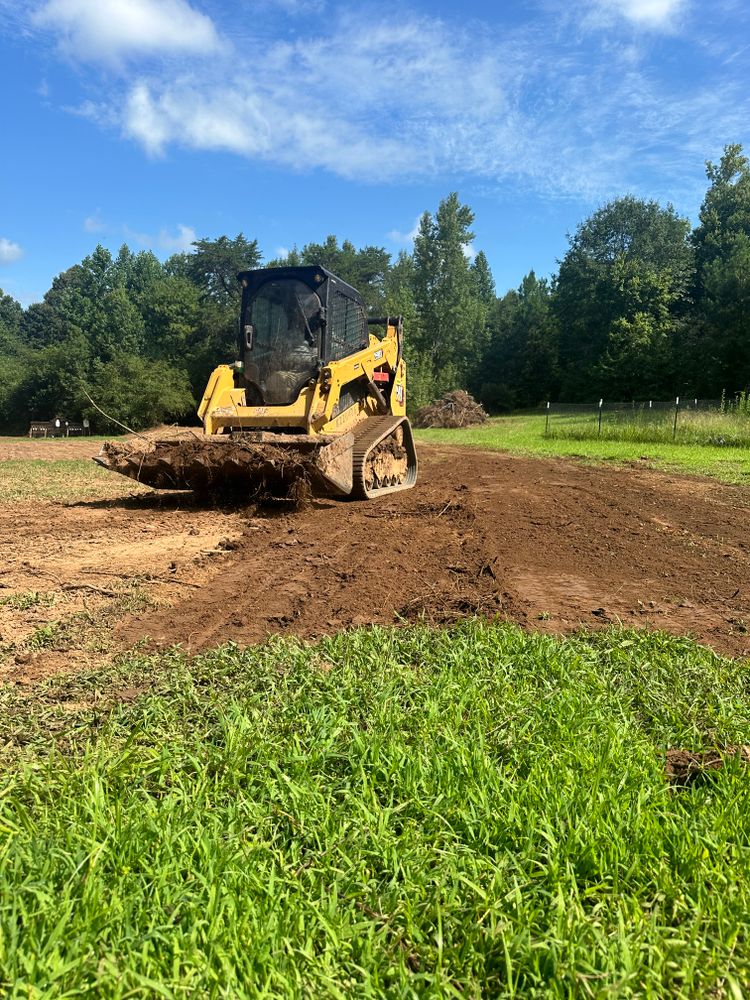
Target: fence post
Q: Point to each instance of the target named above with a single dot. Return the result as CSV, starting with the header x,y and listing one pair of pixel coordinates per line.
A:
x,y
601,403
676,411
546,422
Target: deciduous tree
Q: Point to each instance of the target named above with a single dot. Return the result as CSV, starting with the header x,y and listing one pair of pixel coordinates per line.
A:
x,y
621,295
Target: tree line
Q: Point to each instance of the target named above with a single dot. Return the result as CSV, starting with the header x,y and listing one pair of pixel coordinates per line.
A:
x,y
642,306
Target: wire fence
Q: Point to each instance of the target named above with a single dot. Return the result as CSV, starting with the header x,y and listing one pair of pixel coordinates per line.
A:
x,y
686,420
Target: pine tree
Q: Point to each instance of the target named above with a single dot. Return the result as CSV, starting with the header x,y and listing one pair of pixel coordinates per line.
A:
x,y
450,297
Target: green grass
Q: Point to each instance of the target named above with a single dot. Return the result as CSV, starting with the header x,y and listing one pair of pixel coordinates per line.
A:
x,y
644,426
463,813
60,479
524,434
29,599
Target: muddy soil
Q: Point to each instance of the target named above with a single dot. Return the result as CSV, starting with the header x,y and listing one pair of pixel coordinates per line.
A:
x,y
549,544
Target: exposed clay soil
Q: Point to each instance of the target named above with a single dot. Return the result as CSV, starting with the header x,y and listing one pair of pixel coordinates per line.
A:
x,y
550,544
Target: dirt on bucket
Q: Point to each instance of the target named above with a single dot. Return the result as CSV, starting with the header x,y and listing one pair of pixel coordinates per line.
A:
x,y
192,462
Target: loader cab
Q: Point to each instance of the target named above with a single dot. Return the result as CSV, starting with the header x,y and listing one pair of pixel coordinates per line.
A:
x,y
293,321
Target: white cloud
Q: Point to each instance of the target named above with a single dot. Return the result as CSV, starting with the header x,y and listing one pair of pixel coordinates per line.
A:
x,y
405,239
109,30
660,15
258,123
94,223
318,103
165,240
182,240
9,251
281,253
548,106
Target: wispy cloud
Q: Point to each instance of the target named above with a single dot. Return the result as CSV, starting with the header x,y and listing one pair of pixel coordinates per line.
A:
x,y
526,109
94,223
181,240
318,103
110,30
380,98
171,242
9,251
405,239
658,15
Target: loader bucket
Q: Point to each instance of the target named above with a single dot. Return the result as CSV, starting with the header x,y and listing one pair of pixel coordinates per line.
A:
x,y
253,462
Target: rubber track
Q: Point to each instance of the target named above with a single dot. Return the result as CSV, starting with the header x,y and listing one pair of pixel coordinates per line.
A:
x,y
374,430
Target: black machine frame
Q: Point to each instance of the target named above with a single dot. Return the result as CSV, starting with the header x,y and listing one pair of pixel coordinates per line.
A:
x,y
343,318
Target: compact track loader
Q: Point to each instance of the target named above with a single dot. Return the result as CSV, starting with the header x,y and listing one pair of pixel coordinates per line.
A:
x,y
315,402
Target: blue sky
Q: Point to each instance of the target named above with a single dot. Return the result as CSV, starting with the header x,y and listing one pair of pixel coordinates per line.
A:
x,y
154,122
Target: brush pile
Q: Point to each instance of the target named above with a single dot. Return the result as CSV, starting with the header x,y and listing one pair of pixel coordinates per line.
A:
x,y
456,409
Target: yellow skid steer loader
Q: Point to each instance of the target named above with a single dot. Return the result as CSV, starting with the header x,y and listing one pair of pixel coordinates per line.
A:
x,y
315,401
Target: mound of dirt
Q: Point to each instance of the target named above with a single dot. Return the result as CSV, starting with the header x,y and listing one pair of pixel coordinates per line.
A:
x,y
456,409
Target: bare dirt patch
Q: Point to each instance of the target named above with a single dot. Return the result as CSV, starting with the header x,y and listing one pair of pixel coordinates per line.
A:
x,y
550,544
684,768
51,449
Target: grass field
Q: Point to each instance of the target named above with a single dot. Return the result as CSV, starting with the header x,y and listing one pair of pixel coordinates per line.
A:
x,y
524,434
63,479
654,426
474,812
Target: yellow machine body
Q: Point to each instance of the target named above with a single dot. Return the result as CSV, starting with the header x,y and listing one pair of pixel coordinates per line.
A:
x,y
316,409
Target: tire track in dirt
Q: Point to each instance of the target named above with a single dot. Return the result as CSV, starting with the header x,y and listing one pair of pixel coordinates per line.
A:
x,y
334,566
549,544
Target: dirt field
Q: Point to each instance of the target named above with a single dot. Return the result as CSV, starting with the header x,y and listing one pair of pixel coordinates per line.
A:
x,y
549,544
